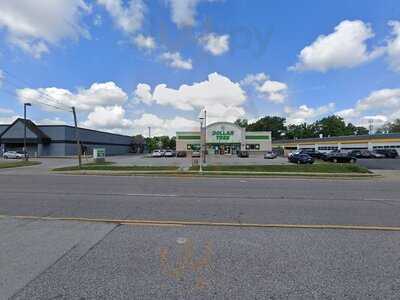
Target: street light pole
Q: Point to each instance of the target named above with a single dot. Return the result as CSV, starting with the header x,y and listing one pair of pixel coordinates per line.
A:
x,y
201,145
25,105
205,137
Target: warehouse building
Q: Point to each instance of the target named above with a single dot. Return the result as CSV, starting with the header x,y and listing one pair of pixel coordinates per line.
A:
x,y
223,138
60,140
345,143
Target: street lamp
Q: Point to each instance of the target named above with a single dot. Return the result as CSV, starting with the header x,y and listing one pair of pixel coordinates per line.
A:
x,y
25,105
201,145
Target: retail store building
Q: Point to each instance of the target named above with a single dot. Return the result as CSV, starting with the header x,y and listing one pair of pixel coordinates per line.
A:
x,y
223,138
60,140
344,143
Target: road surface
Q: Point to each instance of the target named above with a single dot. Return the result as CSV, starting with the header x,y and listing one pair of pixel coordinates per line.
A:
x,y
59,259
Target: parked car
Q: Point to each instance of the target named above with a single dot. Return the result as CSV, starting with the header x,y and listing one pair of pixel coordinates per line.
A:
x,y
195,153
243,154
181,154
361,154
389,153
270,155
169,153
313,153
375,154
157,153
338,156
301,158
13,154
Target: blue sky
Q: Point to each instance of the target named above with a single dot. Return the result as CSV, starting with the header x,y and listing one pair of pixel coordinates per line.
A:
x,y
127,65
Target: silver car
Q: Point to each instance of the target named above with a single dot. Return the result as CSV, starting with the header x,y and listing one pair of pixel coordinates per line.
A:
x,y
13,154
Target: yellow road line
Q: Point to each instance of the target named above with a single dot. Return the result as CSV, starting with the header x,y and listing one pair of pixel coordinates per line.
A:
x,y
206,223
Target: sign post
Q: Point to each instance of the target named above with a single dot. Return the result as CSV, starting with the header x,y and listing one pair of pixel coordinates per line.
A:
x,y
99,155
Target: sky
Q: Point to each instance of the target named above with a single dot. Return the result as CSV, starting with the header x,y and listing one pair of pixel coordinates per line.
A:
x,y
127,65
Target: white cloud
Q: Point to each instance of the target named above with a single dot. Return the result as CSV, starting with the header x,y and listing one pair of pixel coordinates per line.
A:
x,y
183,12
97,20
55,121
162,126
143,94
217,89
393,46
304,113
346,47
5,111
35,25
144,42
221,97
8,120
107,118
215,44
175,60
380,106
273,91
107,93
128,18
254,79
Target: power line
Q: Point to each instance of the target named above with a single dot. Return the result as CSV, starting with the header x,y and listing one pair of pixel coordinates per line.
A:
x,y
41,102
55,102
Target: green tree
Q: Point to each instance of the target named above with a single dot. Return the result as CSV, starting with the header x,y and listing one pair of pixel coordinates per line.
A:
x,y
242,123
392,127
301,131
331,126
269,123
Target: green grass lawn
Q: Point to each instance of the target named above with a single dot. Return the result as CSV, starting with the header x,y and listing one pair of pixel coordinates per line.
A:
x,y
108,166
18,163
315,168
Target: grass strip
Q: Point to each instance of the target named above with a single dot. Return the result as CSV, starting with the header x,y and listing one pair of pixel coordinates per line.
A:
x,y
111,167
17,164
315,168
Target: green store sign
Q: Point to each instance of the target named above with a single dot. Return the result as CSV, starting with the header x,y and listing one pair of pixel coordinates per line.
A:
x,y
222,135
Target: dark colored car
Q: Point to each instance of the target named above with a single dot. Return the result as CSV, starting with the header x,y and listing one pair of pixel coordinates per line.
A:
x,y
313,153
181,154
243,154
361,154
389,153
301,158
338,156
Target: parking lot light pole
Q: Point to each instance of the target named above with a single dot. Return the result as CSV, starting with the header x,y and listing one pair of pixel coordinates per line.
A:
x,y
201,146
25,105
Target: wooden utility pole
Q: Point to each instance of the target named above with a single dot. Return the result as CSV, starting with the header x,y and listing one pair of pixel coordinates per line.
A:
x,y
78,143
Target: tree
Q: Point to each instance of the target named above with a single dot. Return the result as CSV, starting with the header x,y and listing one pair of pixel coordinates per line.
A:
x,y
274,124
301,131
331,126
242,123
392,127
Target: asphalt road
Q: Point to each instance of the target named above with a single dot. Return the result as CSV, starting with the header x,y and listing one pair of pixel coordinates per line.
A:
x,y
85,260
282,201
72,260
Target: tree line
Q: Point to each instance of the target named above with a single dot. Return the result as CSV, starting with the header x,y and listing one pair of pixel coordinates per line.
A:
x,y
328,126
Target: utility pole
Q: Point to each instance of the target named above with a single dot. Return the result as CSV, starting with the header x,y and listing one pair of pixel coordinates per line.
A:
x,y
205,136
149,132
78,143
25,105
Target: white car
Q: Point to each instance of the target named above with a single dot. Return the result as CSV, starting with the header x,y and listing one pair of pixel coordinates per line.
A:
x,y
13,154
157,153
169,153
